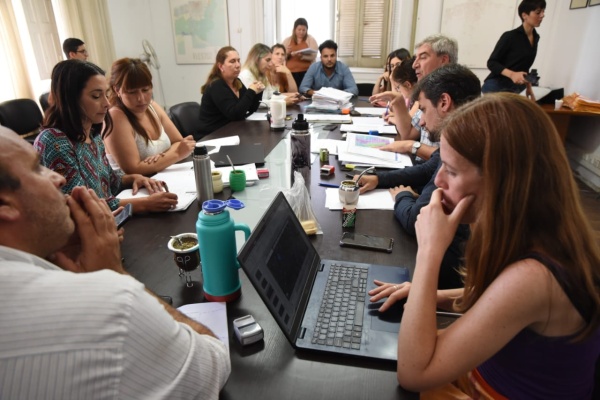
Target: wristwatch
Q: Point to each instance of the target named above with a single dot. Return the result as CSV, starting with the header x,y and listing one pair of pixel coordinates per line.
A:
x,y
415,147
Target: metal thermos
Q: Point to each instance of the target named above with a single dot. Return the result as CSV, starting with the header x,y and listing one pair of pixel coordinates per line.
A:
x,y
202,172
300,143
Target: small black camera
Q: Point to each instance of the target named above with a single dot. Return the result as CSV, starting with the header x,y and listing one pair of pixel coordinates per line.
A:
x,y
533,77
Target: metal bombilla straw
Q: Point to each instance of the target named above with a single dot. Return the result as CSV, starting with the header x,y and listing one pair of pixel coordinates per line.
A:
x,y
371,168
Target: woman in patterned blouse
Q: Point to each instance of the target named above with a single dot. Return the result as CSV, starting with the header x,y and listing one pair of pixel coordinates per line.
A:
x,y
71,141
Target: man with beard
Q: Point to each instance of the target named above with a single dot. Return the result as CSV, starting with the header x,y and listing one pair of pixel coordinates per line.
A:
x,y
439,93
329,72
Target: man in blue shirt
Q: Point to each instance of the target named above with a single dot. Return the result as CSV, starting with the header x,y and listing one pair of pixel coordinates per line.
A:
x,y
328,72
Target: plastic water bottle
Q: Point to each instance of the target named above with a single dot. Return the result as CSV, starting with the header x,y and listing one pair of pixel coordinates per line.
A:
x,y
218,250
202,172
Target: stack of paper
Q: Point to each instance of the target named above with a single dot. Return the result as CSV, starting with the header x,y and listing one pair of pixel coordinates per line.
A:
x,y
335,118
364,150
211,315
331,99
577,102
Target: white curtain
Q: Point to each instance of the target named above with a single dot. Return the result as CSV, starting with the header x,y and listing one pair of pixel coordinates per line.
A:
x,y
15,78
89,21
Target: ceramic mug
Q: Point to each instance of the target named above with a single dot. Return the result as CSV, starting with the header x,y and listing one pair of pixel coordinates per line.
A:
x,y
237,180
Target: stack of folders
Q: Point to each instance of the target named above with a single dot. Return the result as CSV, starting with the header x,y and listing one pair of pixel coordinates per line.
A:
x,y
329,100
364,150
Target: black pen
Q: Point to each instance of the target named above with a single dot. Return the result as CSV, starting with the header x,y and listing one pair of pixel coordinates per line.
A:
x,y
331,185
165,186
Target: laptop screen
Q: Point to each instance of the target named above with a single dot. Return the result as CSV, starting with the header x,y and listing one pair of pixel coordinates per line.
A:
x,y
281,263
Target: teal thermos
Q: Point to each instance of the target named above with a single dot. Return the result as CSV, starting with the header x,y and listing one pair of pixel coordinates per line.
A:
x,y
218,251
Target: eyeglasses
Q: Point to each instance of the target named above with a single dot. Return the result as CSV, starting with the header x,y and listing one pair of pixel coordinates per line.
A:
x,y
82,52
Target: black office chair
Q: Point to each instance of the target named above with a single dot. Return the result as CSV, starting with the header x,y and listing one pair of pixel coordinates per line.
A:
x,y
22,116
186,117
44,101
365,89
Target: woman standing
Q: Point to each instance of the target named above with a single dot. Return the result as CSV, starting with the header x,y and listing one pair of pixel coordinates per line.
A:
x,y
71,141
144,139
531,303
515,52
224,96
298,58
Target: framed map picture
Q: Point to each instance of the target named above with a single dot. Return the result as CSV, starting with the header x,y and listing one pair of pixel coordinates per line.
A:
x,y
200,29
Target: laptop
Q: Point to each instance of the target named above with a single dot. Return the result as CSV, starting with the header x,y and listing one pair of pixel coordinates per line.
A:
x,y
291,278
240,155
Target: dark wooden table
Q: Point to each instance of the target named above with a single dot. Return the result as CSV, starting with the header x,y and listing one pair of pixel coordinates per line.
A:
x,y
272,369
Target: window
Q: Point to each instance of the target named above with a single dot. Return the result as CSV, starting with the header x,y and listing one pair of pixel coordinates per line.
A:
x,y
362,31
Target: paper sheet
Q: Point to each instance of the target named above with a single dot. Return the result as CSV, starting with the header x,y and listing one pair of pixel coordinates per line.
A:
x,y
226,141
330,144
378,199
180,180
257,116
211,315
249,169
365,111
335,118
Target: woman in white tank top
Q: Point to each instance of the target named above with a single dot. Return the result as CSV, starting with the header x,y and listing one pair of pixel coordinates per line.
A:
x,y
144,139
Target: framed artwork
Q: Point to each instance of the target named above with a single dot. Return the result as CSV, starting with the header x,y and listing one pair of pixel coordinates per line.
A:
x,y
594,2
200,29
578,4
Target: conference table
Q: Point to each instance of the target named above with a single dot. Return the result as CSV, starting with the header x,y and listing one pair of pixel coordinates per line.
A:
x,y
272,368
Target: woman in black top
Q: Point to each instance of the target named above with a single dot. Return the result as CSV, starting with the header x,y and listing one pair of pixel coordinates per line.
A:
x,y
224,96
515,52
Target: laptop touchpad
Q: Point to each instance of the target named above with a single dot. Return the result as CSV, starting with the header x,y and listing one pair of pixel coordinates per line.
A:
x,y
388,321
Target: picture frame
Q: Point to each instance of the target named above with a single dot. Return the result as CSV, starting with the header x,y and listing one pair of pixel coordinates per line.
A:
x,y
200,29
575,4
594,3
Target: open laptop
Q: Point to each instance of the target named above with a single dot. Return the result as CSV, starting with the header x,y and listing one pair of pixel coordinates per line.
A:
x,y
240,155
290,277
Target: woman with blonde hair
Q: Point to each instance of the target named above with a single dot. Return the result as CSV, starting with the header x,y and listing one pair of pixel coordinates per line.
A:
x,y
144,140
224,96
299,53
531,303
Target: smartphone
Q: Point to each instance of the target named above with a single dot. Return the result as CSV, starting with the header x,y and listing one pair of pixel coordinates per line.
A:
x,y
124,215
351,239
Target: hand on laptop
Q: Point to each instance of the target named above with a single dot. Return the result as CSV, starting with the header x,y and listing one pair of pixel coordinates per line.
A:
x,y
393,291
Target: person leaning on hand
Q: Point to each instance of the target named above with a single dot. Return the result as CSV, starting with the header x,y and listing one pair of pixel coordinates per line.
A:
x,y
71,140
74,324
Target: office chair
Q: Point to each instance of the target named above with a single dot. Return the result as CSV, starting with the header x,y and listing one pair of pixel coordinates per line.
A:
x,y
44,101
22,116
365,89
186,117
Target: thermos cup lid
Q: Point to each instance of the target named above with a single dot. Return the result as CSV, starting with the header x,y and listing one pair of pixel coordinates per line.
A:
x,y
200,150
216,206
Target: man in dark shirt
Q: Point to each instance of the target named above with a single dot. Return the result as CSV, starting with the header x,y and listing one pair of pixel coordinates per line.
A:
x,y
439,94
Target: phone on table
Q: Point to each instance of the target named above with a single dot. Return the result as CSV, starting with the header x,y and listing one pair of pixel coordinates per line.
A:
x,y
351,239
124,215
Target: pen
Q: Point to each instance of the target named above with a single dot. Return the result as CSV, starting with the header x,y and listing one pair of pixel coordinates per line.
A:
x,y
331,185
387,109
165,186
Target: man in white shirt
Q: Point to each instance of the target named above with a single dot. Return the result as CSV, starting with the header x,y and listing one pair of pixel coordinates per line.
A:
x,y
431,53
79,327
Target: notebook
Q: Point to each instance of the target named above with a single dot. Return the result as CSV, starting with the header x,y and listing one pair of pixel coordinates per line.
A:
x,y
288,274
240,155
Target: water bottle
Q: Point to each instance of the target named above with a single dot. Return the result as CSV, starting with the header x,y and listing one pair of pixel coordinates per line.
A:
x,y
202,172
218,250
278,110
300,143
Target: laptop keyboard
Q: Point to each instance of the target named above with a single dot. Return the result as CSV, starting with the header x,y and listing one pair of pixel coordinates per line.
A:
x,y
340,320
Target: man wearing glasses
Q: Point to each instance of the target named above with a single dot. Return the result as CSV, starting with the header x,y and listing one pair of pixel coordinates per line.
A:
x,y
75,49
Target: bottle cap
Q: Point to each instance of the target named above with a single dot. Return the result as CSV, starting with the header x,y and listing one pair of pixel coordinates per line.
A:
x,y
300,124
216,206
200,150
374,133
345,111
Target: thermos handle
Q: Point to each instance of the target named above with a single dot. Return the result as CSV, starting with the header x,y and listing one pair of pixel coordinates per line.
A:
x,y
246,229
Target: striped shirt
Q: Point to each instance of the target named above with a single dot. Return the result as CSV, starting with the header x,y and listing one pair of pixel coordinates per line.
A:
x,y
96,335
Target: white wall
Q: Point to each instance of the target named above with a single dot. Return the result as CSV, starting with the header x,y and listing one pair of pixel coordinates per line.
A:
x,y
135,20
